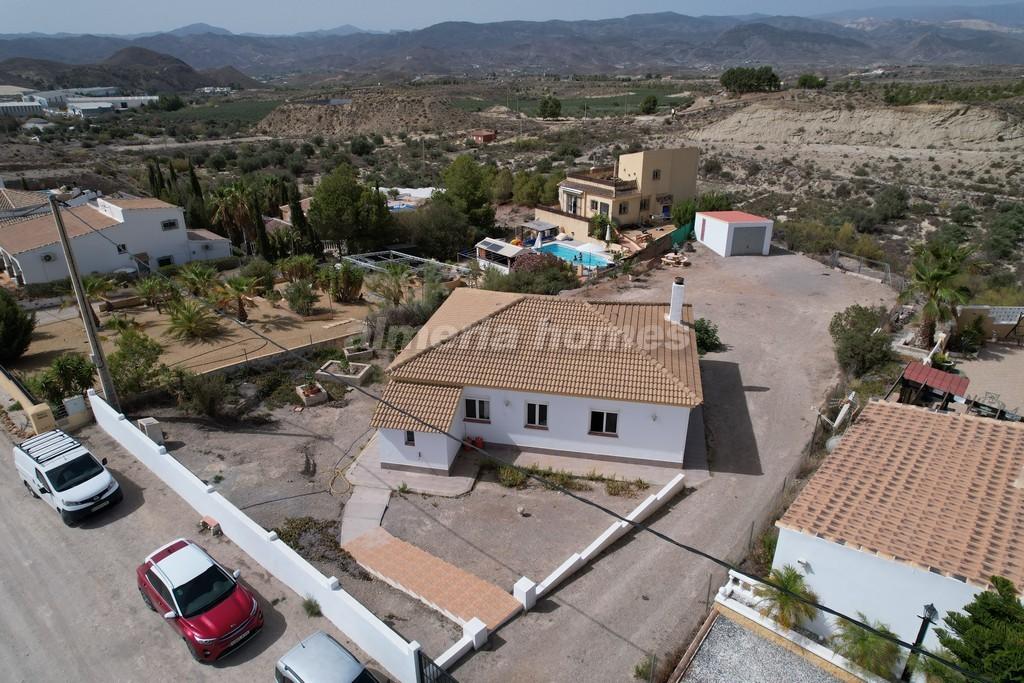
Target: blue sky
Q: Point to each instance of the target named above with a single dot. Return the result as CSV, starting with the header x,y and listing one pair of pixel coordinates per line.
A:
x,y
275,16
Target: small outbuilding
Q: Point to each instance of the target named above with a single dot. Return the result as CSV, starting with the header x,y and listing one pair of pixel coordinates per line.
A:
x,y
734,233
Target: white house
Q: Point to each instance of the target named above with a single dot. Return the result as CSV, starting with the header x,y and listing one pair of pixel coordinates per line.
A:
x,y
617,381
106,235
734,233
912,508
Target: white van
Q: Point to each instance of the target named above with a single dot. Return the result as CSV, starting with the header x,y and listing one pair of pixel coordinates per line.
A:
x,y
57,468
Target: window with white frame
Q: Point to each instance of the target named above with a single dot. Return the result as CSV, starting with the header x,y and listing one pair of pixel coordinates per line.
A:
x,y
478,409
537,415
171,224
410,438
604,423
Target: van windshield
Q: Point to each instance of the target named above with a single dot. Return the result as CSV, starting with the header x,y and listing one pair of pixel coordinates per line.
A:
x,y
72,473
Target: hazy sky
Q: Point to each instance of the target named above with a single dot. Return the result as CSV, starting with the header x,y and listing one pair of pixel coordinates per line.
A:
x,y
277,16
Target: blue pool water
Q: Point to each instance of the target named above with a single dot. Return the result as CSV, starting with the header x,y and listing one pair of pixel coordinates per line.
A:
x,y
572,255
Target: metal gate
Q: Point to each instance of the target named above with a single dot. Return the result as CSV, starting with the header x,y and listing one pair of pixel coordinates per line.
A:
x,y
748,240
430,672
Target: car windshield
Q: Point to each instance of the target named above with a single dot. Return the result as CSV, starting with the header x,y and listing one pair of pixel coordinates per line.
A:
x,y
71,474
203,592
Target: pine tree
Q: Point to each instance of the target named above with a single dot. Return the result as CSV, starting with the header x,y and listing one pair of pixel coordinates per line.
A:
x,y
193,181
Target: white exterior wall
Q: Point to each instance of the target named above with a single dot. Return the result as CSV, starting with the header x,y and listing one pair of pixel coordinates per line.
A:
x,y
718,234
204,250
852,581
432,450
140,233
640,434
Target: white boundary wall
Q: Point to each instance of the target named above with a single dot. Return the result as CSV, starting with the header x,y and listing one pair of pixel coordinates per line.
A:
x,y
371,634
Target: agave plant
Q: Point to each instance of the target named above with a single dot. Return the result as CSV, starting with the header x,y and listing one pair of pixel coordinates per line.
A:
x,y
191,321
782,605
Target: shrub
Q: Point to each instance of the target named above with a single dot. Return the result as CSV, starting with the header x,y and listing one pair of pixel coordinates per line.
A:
x,y
707,336
811,82
311,607
550,280
511,477
69,374
300,297
225,263
16,327
300,267
191,321
203,394
262,270
866,649
859,348
134,364
649,105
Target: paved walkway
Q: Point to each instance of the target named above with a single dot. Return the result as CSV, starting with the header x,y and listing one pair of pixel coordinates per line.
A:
x,y
581,464
455,593
363,511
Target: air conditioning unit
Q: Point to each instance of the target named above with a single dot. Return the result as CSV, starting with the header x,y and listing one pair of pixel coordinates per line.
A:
x,y
47,258
206,247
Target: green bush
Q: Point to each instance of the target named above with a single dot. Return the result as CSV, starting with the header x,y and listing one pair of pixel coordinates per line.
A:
x,y
859,348
69,374
511,477
811,82
204,395
134,365
707,336
225,263
262,270
300,297
16,327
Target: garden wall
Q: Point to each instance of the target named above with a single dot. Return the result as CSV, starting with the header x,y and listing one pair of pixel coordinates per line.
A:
x,y
360,625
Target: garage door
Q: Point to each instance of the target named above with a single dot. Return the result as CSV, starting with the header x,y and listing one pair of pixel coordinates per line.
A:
x,y
747,239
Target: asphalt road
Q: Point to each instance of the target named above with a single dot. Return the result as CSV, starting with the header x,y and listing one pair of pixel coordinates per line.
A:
x,y
70,607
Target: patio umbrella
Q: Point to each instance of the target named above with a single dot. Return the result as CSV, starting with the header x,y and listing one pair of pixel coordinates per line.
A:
x,y
608,234
539,241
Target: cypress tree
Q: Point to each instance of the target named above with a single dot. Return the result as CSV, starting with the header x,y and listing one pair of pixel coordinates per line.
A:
x,y
193,181
262,241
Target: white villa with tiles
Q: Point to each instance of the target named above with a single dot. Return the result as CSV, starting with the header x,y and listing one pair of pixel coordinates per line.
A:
x,y
613,381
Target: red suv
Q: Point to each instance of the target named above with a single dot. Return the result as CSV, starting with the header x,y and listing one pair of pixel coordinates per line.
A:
x,y
214,613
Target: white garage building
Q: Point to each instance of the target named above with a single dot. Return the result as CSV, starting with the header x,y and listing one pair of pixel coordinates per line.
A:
x,y
734,233
912,508
106,235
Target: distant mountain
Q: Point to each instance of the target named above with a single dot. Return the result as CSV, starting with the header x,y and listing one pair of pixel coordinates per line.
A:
x,y
663,41
134,69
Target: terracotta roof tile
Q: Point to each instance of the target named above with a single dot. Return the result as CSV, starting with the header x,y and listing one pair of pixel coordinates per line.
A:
x,y
433,404
546,344
11,199
39,231
939,491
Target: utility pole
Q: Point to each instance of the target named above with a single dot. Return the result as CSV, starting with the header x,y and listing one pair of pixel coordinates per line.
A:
x,y
98,359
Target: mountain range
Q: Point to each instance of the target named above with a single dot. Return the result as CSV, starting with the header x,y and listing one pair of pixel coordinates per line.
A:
x,y
642,42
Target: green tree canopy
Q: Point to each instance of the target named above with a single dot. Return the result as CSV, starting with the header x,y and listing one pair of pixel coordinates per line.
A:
x,y
468,186
987,637
16,327
742,79
550,107
345,210
859,348
649,105
811,82
439,229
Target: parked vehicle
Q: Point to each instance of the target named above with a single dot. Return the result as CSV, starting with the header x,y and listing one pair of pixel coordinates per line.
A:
x,y
205,603
321,659
60,470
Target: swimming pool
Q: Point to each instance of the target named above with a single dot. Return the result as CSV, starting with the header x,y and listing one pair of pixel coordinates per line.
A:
x,y
572,255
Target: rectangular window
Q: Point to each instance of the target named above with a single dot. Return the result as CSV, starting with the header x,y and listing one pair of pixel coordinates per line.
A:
x,y
165,261
606,424
169,225
656,174
122,249
410,438
593,205
478,409
623,207
537,415
645,203
604,208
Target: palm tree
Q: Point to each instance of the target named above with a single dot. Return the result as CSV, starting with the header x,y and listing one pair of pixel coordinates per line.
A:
x,y
154,290
238,291
198,278
866,649
232,210
122,323
95,287
191,321
782,605
390,283
934,276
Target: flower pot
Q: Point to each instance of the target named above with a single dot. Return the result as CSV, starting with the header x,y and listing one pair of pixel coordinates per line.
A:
x,y
312,394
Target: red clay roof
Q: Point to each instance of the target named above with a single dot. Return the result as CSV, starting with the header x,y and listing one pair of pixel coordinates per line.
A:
x,y
735,216
936,379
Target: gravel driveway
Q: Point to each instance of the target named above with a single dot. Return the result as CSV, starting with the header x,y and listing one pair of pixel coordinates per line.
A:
x,y
647,596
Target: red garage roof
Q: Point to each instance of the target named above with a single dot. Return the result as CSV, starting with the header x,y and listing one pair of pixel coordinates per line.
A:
x,y
936,379
735,216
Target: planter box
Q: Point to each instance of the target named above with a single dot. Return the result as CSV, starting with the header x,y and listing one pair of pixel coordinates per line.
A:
x,y
356,373
351,354
313,399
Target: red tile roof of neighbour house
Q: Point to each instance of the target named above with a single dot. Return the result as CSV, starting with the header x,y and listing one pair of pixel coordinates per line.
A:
x,y
936,379
39,231
938,491
11,199
735,216
547,344
139,203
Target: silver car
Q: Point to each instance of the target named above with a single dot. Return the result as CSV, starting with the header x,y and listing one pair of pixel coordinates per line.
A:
x,y
321,659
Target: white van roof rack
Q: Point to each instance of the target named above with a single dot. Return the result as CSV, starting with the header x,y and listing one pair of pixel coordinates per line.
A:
x,y
46,447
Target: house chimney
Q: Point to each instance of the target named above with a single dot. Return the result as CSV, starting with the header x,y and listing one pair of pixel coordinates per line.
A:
x,y
675,306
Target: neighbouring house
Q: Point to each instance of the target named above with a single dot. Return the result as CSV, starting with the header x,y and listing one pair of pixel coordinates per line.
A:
x,y
483,136
37,124
602,380
286,209
498,254
107,235
913,507
734,233
18,204
639,189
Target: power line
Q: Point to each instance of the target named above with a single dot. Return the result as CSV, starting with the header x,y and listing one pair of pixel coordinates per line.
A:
x,y
637,526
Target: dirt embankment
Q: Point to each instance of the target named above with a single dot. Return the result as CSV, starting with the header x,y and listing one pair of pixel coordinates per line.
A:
x,y
367,113
926,125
